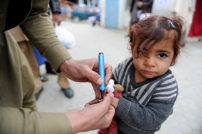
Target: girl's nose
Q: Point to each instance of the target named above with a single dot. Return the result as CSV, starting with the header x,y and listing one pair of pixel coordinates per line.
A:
x,y
150,62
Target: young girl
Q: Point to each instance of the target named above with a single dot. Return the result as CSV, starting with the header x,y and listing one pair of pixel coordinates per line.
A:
x,y
150,88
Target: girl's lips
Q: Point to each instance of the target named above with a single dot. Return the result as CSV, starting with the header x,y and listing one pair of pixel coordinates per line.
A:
x,y
148,72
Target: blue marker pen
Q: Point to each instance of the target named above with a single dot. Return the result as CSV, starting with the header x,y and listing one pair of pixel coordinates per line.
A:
x,y
101,73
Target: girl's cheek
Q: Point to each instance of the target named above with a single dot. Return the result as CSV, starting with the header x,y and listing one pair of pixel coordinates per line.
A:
x,y
137,65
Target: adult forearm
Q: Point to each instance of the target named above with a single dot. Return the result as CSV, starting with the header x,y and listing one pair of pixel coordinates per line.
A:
x,y
26,121
40,31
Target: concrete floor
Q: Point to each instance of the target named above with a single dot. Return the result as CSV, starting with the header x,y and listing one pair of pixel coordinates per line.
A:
x,y
186,118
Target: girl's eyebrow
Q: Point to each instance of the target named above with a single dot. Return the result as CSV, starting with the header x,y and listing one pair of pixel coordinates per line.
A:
x,y
164,51
160,50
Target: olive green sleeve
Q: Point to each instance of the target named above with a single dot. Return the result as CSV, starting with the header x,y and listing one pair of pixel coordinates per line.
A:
x,y
26,121
39,29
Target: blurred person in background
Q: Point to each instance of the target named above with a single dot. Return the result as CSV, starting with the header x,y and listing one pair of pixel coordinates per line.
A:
x,y
174,8
196,26
97,18
63,8
137,7
66,8
62,79
27,49
18,111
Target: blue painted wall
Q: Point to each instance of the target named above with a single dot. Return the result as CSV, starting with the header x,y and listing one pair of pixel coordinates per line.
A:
x,y
112,14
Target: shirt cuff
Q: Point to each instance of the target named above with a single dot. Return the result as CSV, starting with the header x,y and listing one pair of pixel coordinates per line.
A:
x,y
122,108
57,55
55,123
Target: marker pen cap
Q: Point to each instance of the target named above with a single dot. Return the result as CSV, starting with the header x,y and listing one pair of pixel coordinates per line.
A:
x,y
101,70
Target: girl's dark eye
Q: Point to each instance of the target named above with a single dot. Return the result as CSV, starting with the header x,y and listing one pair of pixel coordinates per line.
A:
x,y
140,53
162,55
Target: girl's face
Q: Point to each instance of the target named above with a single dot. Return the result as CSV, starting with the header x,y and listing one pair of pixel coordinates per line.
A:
x,y
156,62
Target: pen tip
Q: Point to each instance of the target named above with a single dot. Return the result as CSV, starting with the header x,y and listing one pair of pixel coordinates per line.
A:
x,y
102,93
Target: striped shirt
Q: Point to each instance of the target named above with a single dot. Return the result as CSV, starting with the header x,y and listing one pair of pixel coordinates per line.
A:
x,y
146,105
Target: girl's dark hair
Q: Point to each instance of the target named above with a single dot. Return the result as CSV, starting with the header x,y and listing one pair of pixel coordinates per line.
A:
x,y
156,28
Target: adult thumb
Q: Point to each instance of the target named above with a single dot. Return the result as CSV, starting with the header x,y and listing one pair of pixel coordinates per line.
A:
x,y
94,77
107,101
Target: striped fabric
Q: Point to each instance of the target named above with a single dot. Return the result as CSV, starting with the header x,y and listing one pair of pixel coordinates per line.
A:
x,y
145,105
162,88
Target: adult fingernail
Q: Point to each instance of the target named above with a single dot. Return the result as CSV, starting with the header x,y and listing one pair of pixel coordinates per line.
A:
x,y
100,81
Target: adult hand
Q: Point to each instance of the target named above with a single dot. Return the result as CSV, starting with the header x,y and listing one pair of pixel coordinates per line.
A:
x,y
56,18
86,71
92,117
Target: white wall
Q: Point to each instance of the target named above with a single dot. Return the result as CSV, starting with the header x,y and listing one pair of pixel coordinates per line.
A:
x,y
102,18
124,16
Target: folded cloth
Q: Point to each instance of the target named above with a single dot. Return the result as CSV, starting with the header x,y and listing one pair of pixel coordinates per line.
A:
x,y
112,129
